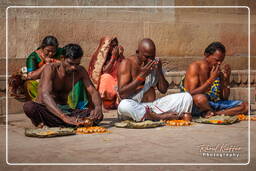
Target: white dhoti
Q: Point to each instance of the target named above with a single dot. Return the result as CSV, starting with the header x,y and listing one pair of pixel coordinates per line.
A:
x,y
179,103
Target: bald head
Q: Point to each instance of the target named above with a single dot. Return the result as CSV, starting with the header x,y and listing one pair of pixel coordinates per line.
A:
x,y
147,44
147,49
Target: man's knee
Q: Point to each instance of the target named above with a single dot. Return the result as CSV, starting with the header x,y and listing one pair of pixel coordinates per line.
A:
x,y
124,106
188,98
29,108
200,99
245,107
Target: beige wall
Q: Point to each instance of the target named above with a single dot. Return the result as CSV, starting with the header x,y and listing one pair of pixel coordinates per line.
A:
x,y
177,32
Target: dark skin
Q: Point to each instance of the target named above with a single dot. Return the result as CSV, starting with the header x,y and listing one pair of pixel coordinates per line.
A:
x,y
48,52
199,78
141,65
57,81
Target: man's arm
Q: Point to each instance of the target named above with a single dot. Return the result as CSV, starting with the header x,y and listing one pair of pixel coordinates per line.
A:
x,y
162,84
225,82
96,99
127,86
46,90
192,80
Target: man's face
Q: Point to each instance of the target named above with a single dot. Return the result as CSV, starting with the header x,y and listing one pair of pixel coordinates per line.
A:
x,y
49,51
147,55
71,65
216,59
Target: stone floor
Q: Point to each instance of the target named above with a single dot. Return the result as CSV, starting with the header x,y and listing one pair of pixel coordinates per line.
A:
x,y
164,145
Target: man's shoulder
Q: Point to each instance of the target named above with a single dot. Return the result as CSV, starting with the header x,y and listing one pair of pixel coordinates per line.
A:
x,y
54,65
127,61
199,63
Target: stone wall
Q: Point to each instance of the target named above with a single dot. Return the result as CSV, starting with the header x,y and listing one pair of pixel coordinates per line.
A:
x,y
177,32
180,34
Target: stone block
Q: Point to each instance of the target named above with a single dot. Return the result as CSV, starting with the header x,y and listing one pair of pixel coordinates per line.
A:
x,y
123,30
85,35
2,37
2,83
2,66
26,36
61,29
238,93
14,106
22,2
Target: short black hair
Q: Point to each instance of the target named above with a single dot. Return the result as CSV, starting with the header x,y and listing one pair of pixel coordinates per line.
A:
x,y
49,41
213,47
72,51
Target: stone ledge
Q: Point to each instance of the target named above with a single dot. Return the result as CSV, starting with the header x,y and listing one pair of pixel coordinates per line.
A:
x,y
170,63
238,78
236,93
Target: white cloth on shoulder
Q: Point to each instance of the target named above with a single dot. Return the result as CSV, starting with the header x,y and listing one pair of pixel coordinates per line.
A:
x,y
150,81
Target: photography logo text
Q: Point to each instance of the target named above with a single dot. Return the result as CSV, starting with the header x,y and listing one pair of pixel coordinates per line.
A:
x,y
219,150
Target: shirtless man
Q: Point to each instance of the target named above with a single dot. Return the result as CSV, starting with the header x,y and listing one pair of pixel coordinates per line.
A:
x,y
57,80
137,77
208,82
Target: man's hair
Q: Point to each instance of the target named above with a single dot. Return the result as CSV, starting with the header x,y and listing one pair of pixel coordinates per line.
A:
x,y
213,47
49,41
72,51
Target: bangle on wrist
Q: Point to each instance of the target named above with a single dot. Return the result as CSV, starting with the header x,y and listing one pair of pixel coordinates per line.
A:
x,y
113,56
209,82
139,78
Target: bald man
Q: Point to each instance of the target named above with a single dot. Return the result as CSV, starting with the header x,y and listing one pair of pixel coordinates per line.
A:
x,y
138,75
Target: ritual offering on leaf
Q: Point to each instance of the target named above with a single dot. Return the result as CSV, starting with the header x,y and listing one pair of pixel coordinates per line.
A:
x,y
91,130
243,117
139,125
48,132
177,123
218,120
86,122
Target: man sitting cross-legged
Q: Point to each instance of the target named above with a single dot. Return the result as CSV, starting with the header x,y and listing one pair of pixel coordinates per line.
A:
x,y
208,82
137,77
57,80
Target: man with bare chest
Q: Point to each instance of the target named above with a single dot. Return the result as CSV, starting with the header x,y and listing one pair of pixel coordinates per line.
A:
x,y
208,82
138,76
57,80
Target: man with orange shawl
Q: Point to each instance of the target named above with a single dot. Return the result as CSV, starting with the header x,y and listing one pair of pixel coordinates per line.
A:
x,y
103,70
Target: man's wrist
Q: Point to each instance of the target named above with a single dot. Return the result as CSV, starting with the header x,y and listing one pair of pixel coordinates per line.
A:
x,y
210,81
139,78
113,56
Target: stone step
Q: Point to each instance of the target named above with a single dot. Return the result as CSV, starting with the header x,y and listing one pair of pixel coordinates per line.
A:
x,y
235,94
14,106
238,78
170,63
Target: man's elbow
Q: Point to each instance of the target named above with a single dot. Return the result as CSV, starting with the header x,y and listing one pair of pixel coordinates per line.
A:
x,y
44,97
163,91
122,95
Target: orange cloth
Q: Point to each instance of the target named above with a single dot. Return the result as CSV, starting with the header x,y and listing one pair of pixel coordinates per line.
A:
x,y
105,83
107,87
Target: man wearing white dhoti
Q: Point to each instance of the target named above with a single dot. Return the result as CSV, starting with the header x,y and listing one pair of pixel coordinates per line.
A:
x,y
137,77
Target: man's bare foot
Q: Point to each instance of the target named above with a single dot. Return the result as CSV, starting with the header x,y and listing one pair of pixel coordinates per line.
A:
x,y
209,114
41,125
186,116
104,110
